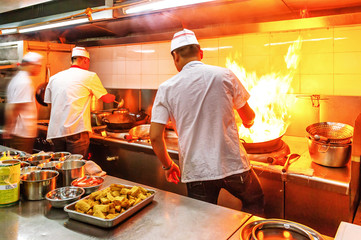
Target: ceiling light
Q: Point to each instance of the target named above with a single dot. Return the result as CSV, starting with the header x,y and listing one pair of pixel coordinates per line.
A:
x,y
152,6
8,31
54,25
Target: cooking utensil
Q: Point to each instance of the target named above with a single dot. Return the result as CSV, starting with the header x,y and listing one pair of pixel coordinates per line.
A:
x,y
35,185
119,119
120,104
140,132
294,157
88,188
40,90
263,147
332,132
59,156
49,165
35,160
25,170
278,227
107,223
97,117
70,170
74,157
329,154
60,197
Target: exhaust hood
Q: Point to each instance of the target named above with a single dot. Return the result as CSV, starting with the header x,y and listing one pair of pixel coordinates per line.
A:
x,y
211,19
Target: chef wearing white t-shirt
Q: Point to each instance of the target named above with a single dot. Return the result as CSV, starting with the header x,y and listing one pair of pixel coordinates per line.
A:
x,y
69,92
200,101
20,111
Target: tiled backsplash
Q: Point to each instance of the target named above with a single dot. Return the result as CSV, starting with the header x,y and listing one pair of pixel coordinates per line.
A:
x,y
329,66
329,59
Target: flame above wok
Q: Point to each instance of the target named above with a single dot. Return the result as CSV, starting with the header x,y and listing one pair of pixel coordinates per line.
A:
x,y
270,97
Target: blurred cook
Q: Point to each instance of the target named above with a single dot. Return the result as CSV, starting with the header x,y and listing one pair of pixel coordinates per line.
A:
x,y
20,111
69,92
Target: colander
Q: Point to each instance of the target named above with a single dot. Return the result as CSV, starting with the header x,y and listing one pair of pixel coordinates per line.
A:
x,y
331,132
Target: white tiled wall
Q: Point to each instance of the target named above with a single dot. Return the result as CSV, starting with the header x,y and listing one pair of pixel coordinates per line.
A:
x,y
330,60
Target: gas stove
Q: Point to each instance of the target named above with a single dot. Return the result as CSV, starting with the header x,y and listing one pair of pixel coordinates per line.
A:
x,y
277,157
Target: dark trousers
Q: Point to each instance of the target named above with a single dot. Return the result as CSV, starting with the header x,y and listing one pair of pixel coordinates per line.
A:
x,y
21,144
75,144
245,186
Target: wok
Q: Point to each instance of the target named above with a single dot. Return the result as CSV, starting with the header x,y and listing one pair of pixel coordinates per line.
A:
x,y
263,147
40,92
119,119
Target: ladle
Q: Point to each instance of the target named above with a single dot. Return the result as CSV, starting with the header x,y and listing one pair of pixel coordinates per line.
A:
x,y
120,104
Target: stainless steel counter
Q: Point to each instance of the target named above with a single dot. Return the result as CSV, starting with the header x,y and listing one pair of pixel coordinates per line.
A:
x,y
169,216
308,193
303,170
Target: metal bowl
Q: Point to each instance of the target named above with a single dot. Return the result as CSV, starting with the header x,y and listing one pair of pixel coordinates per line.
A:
x,y
49,165
60,197
29,169
60,156
35,185
74,157
35,160
24,164
89,188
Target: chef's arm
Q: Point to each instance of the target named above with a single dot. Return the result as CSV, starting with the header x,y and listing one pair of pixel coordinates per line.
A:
x,y
247,115
108,98
172,171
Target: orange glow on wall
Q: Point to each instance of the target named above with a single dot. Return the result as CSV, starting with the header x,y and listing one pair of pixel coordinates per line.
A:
x,y
270,98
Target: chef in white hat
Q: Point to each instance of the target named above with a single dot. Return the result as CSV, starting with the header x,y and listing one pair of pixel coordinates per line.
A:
x,y
20,112
200,102
69,92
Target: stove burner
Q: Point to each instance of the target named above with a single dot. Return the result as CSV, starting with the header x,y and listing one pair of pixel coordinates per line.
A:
x,y
279,155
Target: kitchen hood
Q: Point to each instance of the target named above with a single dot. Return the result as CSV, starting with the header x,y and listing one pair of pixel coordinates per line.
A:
x,y
212,19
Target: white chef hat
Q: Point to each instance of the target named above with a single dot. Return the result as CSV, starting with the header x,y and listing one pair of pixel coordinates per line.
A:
x,y
183,38
80,52
32,57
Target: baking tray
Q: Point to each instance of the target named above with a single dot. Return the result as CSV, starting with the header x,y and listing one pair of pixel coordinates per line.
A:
x,y
107,223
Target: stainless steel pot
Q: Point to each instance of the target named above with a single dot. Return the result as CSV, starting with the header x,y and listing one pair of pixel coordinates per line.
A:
x,y
97,117
35,185
70,170
329,154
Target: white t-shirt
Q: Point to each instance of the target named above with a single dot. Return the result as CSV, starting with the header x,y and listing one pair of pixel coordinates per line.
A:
x,y
200,100
70,93
21,90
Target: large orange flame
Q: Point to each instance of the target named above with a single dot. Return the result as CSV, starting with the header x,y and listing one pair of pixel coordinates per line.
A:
x,y
270,98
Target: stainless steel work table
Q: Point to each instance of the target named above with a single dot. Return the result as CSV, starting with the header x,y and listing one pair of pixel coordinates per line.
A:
x,y
169,216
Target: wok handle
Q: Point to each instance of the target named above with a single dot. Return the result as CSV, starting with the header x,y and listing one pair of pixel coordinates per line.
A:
x,y
287,164
285,167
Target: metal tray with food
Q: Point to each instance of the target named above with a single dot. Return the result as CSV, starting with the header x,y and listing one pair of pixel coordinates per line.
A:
x,y
110,206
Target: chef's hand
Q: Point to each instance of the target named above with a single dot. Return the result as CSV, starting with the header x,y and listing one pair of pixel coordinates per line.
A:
x,y
249,124
173,174
108,98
